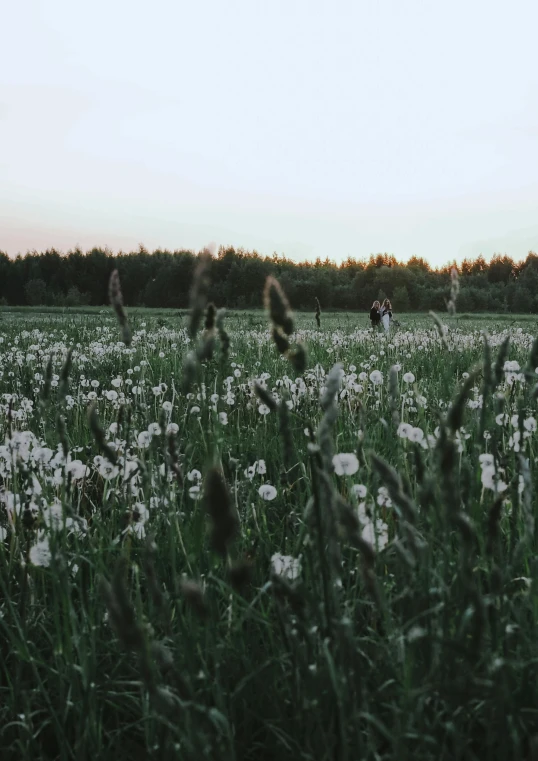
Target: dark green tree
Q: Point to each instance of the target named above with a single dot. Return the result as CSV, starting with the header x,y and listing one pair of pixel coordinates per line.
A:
x,y
35,291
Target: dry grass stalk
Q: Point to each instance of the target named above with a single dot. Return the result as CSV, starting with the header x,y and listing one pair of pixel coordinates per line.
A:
x,y
223,335
199,291
498,371
330,408
277,305
279,310
64,376
116,300
440,328
194,597
394,396
318,313
265,397
240,574
454,291
221,511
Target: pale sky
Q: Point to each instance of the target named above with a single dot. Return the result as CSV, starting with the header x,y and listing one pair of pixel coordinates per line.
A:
x,y
334,128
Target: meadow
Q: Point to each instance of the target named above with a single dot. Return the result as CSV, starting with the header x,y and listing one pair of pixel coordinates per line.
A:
x,y
244,535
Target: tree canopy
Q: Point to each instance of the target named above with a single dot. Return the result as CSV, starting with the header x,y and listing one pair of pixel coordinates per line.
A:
x,y
162,279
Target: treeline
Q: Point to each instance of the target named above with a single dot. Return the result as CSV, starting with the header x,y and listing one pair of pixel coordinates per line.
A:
x,y
162,279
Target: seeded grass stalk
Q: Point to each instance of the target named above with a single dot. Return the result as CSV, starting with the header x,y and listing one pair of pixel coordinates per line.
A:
x,y
487,385
318,313
440,328
223,335
115,296
394,396
199,291
454,291
281,317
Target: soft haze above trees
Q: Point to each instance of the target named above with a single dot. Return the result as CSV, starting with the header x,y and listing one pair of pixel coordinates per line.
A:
x,y
162,279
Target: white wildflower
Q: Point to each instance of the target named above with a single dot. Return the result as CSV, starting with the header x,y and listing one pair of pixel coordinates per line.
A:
x,y
40,553
377,534
286,566
267,492
345,464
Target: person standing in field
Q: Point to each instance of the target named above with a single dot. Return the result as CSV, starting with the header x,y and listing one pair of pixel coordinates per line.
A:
x,y
375,315
386,314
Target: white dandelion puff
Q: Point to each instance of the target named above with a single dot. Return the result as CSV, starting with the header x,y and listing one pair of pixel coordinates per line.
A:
x,y
345,464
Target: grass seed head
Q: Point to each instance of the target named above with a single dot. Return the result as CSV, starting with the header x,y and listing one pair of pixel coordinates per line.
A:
x,y
199,291
265,396
394,396
210,317
332,387
350,523
454,291
464,525
527,496
281,342
240,574
223,335
318,313
330,408
221,511
498,371
298,358
391,479
115,296
121,612
190,369
447,450
195,598
205,348
154,588
64,376
277,305
440,328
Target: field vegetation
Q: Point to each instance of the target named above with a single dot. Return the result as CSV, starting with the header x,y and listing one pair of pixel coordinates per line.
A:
x,y
244,536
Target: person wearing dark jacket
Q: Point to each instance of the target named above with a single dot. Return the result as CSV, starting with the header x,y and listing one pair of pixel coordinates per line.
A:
x,y
375,314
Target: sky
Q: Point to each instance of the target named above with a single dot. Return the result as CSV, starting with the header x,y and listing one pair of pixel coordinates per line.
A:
x,y
306,128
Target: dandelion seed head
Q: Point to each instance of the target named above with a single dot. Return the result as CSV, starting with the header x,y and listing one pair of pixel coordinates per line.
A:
x,y
267,492
345,464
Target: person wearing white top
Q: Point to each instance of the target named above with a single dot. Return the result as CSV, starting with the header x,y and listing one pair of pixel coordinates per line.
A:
x,y
386,315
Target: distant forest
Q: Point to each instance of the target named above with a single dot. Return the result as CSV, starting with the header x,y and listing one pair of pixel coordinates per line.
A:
x,y
162,279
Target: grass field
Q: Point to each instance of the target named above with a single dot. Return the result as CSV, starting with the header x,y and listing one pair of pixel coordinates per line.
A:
x,y
338,564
